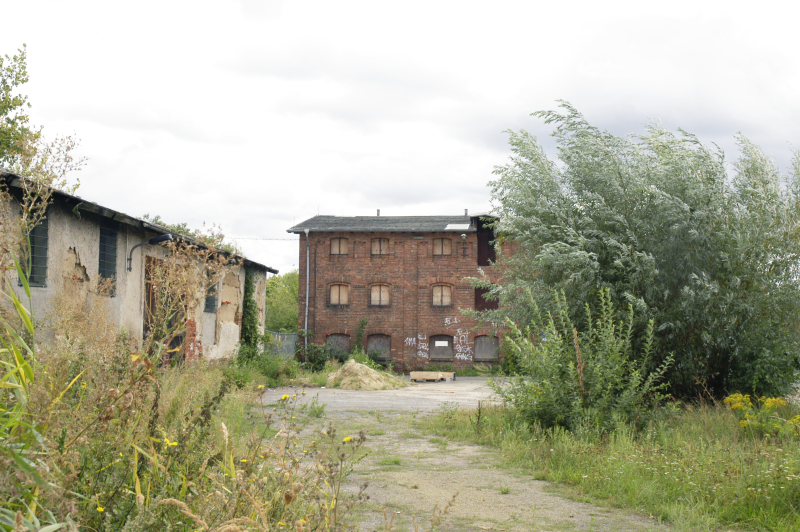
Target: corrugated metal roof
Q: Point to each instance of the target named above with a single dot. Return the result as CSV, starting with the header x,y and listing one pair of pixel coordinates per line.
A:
x,y
384,224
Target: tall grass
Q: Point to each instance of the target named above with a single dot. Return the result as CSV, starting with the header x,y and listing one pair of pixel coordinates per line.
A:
x,y
696,467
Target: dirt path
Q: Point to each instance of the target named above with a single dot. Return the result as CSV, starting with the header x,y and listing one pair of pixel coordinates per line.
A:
x,y
410,472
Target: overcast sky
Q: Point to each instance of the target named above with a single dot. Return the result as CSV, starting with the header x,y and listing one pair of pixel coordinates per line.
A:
x,y
258,114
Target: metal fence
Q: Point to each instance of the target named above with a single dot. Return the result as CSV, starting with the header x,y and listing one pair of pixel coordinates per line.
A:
x,y
284,343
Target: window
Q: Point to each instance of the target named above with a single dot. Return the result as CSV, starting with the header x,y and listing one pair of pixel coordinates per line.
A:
x,y
380,246
108,254
211,299
442,247
380,343
340,294
441,347
486,348
441,296
339,246
379,295
37,274
338,343
481,303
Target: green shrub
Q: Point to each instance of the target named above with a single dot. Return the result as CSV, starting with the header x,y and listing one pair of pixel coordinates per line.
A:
x,y
592,380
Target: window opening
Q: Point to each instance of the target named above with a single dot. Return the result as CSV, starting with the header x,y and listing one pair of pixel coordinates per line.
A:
x,y
380,246
487,348
338,344
339,246
211,299
37,264
481,303
441,296
486,251
108,255
379,345
379,295
442,247
340,294
441,347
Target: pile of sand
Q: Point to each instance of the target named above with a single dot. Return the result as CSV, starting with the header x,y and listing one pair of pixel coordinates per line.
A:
x,y
355,376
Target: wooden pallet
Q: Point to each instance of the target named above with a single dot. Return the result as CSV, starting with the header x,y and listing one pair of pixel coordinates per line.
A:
x,y
434,376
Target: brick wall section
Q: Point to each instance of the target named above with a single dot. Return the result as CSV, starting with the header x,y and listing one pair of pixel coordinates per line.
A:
x,y
193,346
411,270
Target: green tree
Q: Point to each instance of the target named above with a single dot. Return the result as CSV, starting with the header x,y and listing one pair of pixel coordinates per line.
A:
x,y
282,292
712,258
14,120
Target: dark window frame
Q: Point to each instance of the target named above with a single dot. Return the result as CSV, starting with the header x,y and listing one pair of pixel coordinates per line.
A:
x,y
107,257
210,304
37,262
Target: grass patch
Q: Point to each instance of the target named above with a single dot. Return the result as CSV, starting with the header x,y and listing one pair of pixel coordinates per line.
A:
x,y
696,468
390,461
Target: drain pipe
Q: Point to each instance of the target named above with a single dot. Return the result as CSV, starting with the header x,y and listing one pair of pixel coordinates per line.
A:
x,y
305,327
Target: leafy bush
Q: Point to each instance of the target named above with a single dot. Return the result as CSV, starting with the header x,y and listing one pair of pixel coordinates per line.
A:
x,y
589,381
709,255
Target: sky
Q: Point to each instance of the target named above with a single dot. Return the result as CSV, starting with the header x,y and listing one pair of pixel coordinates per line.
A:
x,y
258,114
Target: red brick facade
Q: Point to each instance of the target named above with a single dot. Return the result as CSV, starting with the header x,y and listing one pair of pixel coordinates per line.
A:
x,y
417,315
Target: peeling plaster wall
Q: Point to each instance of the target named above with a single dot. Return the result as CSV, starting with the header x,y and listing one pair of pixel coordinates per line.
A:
x,y
260,295
73,263
227,321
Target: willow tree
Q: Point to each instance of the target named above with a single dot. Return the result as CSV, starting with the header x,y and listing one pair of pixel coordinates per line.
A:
x,y
709,251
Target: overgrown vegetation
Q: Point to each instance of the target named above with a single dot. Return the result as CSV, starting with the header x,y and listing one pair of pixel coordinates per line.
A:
x,y
710,258
694,467
281,311
211,236
584,381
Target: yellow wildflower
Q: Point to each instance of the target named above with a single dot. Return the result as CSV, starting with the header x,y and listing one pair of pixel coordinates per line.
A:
x,y
260,386
347,439
101,509
284,397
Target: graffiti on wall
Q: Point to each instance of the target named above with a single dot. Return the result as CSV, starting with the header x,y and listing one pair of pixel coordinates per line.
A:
x,y
462,346
422,346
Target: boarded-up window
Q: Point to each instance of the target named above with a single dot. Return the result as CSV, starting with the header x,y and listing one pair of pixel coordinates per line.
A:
x,y
340,294
381,344
338,342
486,348
339,246
442,246
379,295
380,246
441,296
441,347
481,303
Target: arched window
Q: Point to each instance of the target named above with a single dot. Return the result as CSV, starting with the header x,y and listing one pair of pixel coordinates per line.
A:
x,y
381,343
442,247
441,347
441,296
487,348
379,295
340,294
339,246
338,343
380,246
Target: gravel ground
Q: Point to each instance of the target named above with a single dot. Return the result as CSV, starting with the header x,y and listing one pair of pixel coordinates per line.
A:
x,y
410,472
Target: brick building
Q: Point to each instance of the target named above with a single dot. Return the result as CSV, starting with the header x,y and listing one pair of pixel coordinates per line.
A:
x,y
405,274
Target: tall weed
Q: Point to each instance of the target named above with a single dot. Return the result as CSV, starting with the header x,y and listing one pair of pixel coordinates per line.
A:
x,y
588,381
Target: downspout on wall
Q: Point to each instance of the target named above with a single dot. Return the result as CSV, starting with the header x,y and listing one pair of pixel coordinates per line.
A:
x,y
305,327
